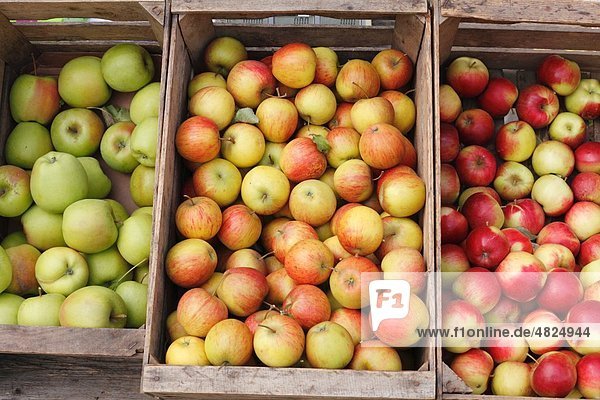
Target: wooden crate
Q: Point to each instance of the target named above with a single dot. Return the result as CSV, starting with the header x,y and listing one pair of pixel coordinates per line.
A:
x,y
511,40
192,29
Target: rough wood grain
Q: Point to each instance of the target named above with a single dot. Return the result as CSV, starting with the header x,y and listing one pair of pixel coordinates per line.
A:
x,y
447,30
67,378
197,31
579,12
409,30
15,47
156,18
71,341
46,31
96,46
451,382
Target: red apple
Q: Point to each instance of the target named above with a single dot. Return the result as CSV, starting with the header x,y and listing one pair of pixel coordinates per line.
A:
x,y
537,105
449,184
555,256
476,166
486,246
246,258
450,104
351,320
360,230
479,287
586,187
481,209
308,305
454,225
561,74
584,219
589,250
197,139
468,192
498,97
270,230
253,320
515,141
241,227
301,160
468,76
542,319
250,82
280,285
475,126
309,262
341,118
587,157
588,376
349,277
453,260
474,367
353,181
343,143
553,375
524,213
198,311
198,217
382,146
190,263
518,240
521,275
449,143
587,315
458,314
277,119
289,234
357,79
243,290
406,264
561,292
585,100
402,332
394,67
504,349
334,222
560,233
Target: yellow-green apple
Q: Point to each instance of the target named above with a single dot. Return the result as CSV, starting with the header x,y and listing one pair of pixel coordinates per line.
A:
x,y
265,189
341,118
559,233
586,187
61,270
568,128
22,259
347,281
553,375
205,79
450,104
301,159
312,201
476,166
198,217
373,355
555,256
521,275
294,65
515,141
404,110
190,263
223,53
553,157
34,98
42,229
135,238
525,213
587,157
243,290
394,67
402,332
357,79
316,104
506,311
250,82
240,228
5,270
586,313
145,103
511,378
309,262
382,146
560,74
288,235
81,84
272,154
458,314
215,103
592,292
280,285
27,142
585,100
498,97
479,287
9,308
198,311
454,226
277,119
186,350
279,341
88,226
312,131
115,147
77,131
513,180
53,170
127,67
351,320
584,219
453,261
219,180
339,252
537,105
99,185
141,185
401,182
475,126
327,66
467,76
504,349
407,264
134,295
229,342
15,193
449,142
590,274
561,292
553,194
371,111
143,141
588,376
197,139
270,230
93,307
486,246
273,264
343,144
329,346
40,310
399,232
308,305
107,267
243,145
142,273
468,192
480,209
360,230
353,181
246,258
450,184
474,367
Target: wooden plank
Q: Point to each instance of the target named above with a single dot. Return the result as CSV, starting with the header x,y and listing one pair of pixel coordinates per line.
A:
x,y
97,46
7,76
451,382
156,18
447,31
336,8
408,34
15,48
577,12
197,31
45,31
47,377
71,341
285,383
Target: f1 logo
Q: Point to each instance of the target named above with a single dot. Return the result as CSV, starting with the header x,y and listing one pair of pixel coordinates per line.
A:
x,y
389,299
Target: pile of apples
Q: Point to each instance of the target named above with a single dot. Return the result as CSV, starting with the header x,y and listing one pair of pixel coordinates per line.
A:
x,y
76,258
520,219
302,183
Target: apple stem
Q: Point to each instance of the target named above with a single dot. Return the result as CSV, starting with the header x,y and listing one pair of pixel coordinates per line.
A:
x,y
378,177
40,291
532,358
267,255
410,91
273,307
228,139
361,89
189,198
268,327
114,285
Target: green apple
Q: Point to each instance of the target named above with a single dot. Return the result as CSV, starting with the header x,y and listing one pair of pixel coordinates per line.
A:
x,y
40,310
27,142
93,307
329,345
22,259
135,236
58,180
120,214
186,350
5,270
89,226
115,147
80,83
141,185
9,308
15,195
99,184
61,270
13,239
205,79
106,267
143,141
34,98
42,228
145,103
143,210
135,296
127,67
77,131
142,273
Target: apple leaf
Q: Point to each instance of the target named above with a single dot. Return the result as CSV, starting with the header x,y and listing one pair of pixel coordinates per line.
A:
x,y
245,115
112,114
321,142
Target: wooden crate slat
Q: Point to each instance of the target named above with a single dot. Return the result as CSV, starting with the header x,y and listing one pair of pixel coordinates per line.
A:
x,y
71,341
291,382
579,12
15,47
96,46
260,8
44,31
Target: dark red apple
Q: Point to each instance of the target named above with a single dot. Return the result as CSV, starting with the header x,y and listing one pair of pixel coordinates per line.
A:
x,y
537,105
588,376
454,225
524,213
587,157
560,233
486,246
449,143
586,187
562,75
561,292
449,184
482,209
476,166
518,240
475,126
553,375
498,97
